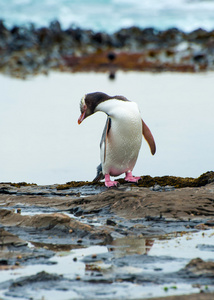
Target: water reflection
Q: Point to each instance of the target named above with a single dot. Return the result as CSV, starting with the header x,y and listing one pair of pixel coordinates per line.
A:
x,y
131,245
42,143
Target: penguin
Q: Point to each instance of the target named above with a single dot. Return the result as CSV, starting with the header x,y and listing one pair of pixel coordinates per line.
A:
x,y
122,136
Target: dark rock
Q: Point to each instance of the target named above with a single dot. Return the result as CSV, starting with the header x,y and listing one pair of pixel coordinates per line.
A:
x,y
156,188
39,277
200,57
112,75
58,225
111,222
204,247
111,56
130,219
4,32
172,36
9,239
15,252
200,267
27,50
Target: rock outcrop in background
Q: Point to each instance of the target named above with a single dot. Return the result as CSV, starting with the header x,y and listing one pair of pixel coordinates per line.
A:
x,y
30,51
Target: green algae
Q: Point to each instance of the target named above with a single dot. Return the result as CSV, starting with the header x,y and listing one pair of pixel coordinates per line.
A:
x,y
73,184
19,184
145,181
148,181
177,182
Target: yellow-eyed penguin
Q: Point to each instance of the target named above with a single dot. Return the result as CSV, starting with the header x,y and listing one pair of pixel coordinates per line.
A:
x,y
122,135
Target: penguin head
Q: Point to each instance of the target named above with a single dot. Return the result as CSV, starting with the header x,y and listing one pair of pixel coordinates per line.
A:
x,y
89,103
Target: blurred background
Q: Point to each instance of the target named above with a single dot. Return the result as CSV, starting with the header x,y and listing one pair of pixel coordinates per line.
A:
x,y
111,15
157,53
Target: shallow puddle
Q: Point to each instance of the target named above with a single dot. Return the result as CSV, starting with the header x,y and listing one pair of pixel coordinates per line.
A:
x,y
130,268
51,148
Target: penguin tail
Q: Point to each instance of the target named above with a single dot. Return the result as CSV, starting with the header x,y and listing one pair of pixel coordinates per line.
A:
x,y
100,175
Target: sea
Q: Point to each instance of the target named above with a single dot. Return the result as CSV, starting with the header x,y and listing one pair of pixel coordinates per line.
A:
x,y
110,15
41,140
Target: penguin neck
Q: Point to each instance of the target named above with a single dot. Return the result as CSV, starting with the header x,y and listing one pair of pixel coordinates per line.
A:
x,y
111,106
119,109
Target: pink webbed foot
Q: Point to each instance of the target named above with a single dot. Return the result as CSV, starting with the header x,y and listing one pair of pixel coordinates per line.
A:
x,y
131,178
109,182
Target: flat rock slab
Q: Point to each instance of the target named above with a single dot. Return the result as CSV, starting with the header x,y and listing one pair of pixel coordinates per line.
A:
x,y
202,296
129,202
55,228
126,219
180,204
127,210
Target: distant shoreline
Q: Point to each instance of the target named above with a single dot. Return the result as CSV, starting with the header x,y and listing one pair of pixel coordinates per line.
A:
x,y
30,51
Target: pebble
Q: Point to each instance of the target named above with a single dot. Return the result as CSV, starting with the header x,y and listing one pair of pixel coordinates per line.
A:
x,y
158,188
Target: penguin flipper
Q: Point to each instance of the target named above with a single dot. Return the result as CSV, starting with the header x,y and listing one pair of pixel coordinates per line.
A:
x,y
103,143
104,137
100,175
148,137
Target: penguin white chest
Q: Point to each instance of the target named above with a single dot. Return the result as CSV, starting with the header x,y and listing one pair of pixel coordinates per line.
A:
x,y
123,140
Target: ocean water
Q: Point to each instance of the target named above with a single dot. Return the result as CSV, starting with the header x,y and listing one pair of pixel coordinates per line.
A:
x,y
41,141
111,15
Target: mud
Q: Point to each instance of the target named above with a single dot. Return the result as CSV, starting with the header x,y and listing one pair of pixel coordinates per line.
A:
x,y
85,241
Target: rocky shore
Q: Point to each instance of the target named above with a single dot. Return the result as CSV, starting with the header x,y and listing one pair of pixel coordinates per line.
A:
x,y
127,220
29,51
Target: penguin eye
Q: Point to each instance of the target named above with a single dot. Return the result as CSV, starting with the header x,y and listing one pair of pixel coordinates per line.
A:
x,y
83,108
82,103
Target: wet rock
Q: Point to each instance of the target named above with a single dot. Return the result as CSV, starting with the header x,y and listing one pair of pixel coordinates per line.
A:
x,y
184,203
129,218
24,286
200,267
204,247
110,222
128,201
199,296
39,277
58,226
131,266
156,188
9,239
43,221
16,253
27,50
202,226
209,223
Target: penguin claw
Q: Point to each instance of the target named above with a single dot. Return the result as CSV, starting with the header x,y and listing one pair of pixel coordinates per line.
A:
x,y
109,182
131,178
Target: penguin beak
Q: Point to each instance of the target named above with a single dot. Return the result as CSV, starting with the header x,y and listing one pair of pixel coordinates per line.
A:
x,y
83,113
82,117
